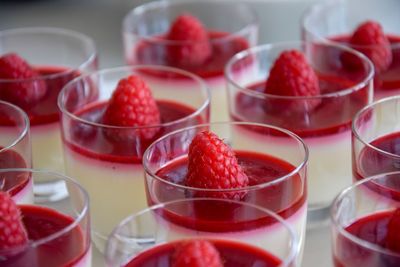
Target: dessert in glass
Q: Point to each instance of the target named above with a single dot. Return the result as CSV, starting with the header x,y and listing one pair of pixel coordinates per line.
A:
x,y
45,233
15,151
310,92
231,160
196,36
375,138
182,231
365,221
109,118
35,63
373,30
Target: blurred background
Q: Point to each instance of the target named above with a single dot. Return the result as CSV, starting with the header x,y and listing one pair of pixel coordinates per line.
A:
x,y
101,19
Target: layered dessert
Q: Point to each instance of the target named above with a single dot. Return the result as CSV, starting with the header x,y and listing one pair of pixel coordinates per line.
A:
x,y
211,169
202,252
35,89
372,240
383,49
189,45
18,185
36,236
105,142
317,106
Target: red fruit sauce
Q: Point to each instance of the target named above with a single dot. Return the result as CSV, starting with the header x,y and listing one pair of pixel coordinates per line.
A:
x,y
331,116
14,182
372,228
372,161
46,111
233,254
64,251
95,142
154,51
389,79
285,197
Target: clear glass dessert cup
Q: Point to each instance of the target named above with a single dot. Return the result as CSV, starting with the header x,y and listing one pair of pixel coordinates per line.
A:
x,y
144,36
335,21
107,160
58,56
375,138
323,121
15,151
58,229
274,159
181,220
360,219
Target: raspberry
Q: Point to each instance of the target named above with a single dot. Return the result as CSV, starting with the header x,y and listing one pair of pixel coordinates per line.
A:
x,y
393,234
132,104
192,47
23,93
12,231
291,75
196,253
213,165
370,40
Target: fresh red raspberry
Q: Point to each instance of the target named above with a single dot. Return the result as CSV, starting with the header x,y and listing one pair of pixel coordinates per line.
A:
x,y
291,75
196,253
192,46
370,40
213,165
23,93
132,104
393,234
12,231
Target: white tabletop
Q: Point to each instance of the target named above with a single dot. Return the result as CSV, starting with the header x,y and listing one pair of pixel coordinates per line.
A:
x,y
101,19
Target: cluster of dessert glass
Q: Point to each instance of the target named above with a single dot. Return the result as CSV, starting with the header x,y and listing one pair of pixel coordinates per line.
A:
x,y
292,124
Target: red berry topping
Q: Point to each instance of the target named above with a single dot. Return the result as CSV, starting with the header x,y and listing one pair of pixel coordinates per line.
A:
x,y
22,93
213,165
196,253
12,231
291,75
370,39
132,104
192,45
393,233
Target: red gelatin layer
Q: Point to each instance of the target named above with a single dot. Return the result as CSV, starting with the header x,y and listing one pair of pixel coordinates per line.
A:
x,y
232,254
64,251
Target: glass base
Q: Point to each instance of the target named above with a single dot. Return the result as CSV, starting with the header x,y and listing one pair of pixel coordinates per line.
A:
x,y
50,191
318,216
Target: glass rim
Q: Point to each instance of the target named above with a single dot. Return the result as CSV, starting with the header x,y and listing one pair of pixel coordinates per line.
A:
x,y
140,10
292,135
325,5
201,83
294,244
23,133
367,108
334,211
69,181
83,38
294,45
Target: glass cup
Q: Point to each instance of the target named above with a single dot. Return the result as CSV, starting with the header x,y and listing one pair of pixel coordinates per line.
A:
x,y
144,37
107,160
58,229
322,121
361,219
58,55
375,135
15,151
278,178
336,21
241,237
